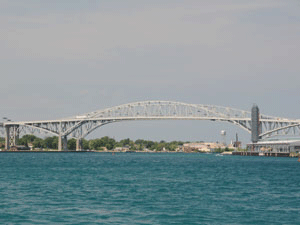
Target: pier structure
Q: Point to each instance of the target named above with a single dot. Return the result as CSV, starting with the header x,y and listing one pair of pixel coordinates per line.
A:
x,y
258,125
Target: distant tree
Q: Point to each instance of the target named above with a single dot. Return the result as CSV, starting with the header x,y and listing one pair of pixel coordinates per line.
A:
x,y
26,139
29,137
110,144
72,144
160,146
51,142
150,144
118,144
85,144
39,143
107,142
172,146
125,142
139,147
140,142
22,141
180,143
219,150
94,144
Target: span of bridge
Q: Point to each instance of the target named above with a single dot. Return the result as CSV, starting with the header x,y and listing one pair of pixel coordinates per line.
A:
x,y
260,126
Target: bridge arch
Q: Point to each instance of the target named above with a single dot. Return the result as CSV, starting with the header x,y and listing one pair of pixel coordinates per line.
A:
x,y
82,125
162,110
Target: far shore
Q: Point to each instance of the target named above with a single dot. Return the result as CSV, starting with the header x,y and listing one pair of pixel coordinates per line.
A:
x,y
81,151
235,153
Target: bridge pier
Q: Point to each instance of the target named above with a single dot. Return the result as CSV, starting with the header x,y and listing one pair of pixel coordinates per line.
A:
x,y
79,144
11,136
255,124
65,143
62,143
7,138
59,143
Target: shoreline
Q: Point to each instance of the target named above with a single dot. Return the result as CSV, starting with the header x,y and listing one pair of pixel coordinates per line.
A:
x,y
289,155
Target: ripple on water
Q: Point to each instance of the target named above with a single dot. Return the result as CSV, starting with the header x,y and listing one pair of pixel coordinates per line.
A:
x,y
89,188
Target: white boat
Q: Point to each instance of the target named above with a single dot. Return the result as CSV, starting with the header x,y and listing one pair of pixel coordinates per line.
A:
x,y
226,153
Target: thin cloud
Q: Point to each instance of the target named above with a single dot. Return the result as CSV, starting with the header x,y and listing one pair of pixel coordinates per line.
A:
x,y
97,35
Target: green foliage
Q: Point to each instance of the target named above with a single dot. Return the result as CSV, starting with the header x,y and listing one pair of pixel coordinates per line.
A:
x,y
26,139
219,150
110,143
85,144
2,140
98,144
72,144
140,142
229,149
125,142
93,144
38,143
107,142
51,142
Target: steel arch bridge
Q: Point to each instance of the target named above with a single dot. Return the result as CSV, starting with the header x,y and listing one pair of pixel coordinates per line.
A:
x,y
82,125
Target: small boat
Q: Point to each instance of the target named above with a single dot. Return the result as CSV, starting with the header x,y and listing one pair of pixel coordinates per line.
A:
x,y
226,153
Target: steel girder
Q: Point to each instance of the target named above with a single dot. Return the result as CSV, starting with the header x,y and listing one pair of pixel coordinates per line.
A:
x,y
82,125
279,128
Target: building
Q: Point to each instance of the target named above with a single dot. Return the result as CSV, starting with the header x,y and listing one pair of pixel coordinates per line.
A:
x,y
201,147
278,146
122,149
237,144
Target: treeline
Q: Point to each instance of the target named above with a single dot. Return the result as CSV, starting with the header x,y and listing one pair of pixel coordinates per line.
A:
x,y
99,143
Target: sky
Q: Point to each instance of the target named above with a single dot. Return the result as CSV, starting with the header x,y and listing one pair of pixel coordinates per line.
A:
x,y
61,58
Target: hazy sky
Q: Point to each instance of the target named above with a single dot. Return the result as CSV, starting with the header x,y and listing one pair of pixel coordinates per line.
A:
x,y
59,58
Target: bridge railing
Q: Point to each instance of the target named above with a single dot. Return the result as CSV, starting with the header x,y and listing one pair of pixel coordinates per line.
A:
x,y
81,125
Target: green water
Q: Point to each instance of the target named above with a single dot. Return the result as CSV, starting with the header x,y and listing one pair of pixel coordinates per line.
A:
x,y
141,188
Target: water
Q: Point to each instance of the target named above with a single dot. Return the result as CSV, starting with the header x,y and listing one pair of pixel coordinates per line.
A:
x,y
140,188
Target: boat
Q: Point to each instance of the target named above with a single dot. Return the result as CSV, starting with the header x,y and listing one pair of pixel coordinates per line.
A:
x,y
226,153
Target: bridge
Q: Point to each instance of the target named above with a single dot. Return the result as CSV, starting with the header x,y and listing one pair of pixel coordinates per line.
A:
x,y
258,125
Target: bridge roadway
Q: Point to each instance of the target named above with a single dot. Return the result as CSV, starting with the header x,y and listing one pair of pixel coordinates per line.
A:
x,y
259,125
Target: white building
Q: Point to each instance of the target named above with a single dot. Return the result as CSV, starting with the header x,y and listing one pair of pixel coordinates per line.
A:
x,y
279,146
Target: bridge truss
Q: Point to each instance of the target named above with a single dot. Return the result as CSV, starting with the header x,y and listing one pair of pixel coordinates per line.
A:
x,y
82,125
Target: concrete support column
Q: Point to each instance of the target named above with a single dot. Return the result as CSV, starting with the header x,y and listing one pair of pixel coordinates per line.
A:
x,y
59,143
255,124
65,143
79,144
16,135
7,138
